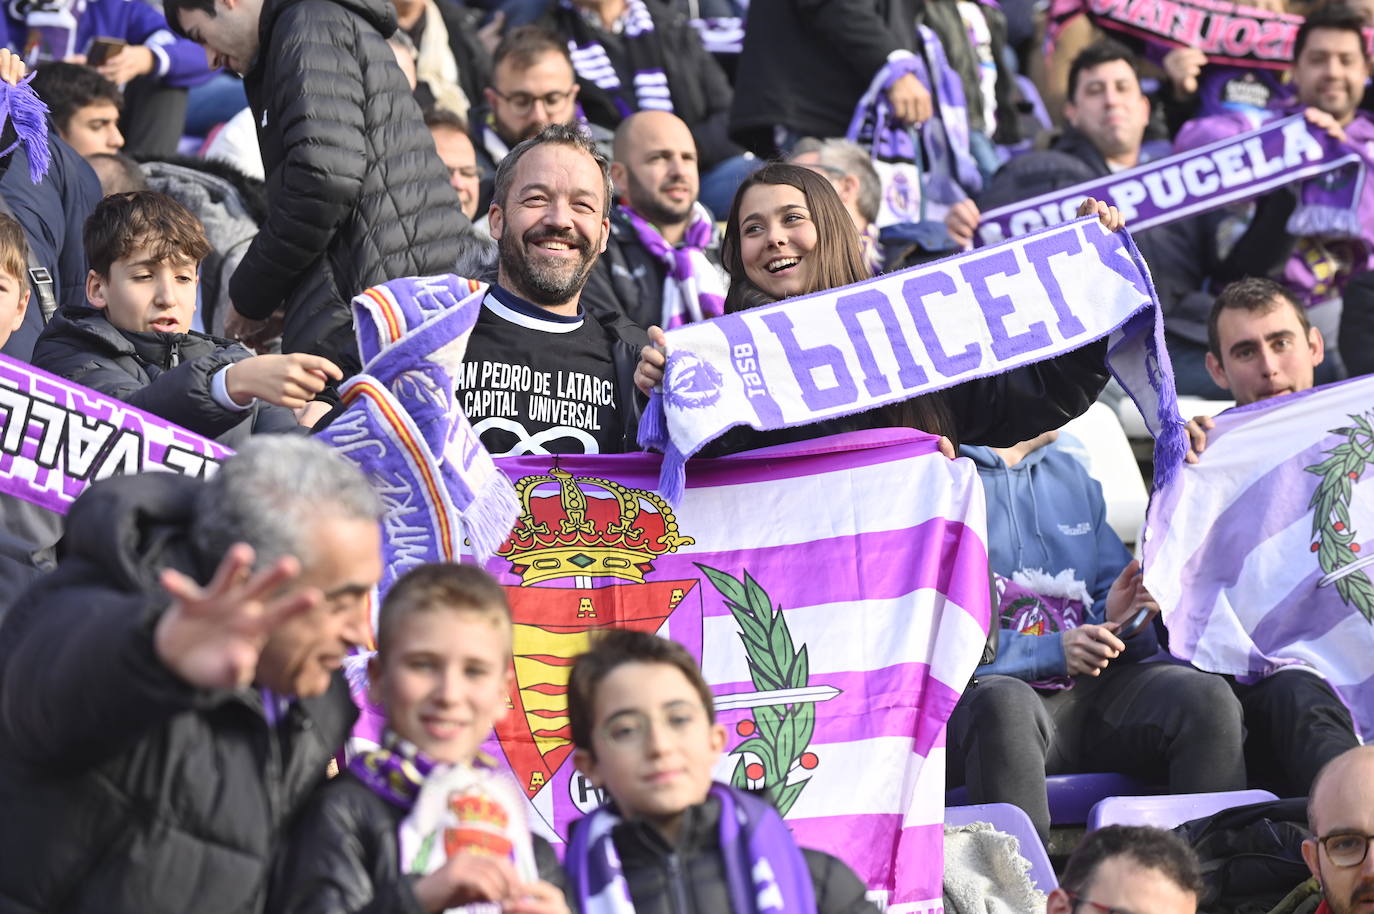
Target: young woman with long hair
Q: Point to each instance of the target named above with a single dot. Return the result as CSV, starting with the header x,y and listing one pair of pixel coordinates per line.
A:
x,y
788,235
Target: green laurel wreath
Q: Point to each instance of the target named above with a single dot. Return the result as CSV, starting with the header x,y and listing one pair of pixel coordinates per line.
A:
x,y
783,731
1334,538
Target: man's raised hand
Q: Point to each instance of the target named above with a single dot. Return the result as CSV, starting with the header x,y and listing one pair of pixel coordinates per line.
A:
x,y
649,371
1111,217
1197,436
211,637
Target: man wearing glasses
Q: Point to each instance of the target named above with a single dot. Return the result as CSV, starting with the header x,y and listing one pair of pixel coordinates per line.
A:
x,y
1129,869
532,86
1340,812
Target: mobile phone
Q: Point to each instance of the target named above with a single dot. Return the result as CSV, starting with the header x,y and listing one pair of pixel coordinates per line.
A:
x,y
102,49
1135,623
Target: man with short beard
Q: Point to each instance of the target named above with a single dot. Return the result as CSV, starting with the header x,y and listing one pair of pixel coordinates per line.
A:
x,y
1340,812
542,375
662,260
1330,70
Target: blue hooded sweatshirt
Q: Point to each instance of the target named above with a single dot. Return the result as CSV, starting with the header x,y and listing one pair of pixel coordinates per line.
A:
x,y
1048,513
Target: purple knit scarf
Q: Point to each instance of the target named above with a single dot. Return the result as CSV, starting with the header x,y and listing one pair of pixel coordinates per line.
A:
x,y
593,64
693,290
21,106
764,868
394,772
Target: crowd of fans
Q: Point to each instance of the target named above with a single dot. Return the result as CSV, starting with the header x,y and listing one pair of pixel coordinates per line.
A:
x,y
226,175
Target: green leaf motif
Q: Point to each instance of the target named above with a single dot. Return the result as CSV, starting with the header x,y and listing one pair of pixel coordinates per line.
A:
x,y
1330,504
782,732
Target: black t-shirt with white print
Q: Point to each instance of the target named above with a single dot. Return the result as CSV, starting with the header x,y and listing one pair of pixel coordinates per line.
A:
x,y
534,382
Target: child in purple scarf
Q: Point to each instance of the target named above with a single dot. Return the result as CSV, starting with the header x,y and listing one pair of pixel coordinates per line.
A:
x,y
441,671
643,721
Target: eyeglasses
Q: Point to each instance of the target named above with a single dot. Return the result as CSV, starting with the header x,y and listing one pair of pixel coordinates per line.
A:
x,y
522,102
1346,848
1099,908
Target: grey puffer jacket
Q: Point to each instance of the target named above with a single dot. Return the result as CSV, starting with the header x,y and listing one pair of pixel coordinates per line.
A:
x,y
356,191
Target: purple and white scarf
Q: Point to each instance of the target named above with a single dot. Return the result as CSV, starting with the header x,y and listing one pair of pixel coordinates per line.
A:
x,y
764,868
403,427
593,64
843,351
951,173
21,106
1229,170
694,289
394,771
1032,602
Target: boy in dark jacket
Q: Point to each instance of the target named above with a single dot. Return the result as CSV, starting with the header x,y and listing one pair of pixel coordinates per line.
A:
x,y
643,721
134,339
442,673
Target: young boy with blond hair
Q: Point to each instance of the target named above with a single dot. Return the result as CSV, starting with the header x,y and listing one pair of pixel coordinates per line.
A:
x,y
134,341
644,725
441,673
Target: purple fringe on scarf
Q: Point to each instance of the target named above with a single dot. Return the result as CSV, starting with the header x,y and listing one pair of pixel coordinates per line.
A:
x,y
21,106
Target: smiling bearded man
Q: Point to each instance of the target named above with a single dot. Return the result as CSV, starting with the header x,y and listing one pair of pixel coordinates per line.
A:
x,y
541,375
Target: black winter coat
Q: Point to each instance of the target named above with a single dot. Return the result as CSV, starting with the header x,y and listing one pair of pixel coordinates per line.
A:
x,y
700,90
628,279
124,790
167,374
52,213
358,195
689,877
343,857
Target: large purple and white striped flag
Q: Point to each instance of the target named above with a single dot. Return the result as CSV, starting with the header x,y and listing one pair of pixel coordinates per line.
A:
x,y
835,592
1260,554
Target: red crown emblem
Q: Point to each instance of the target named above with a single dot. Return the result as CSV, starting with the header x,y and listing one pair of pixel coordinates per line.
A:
x,y
564,533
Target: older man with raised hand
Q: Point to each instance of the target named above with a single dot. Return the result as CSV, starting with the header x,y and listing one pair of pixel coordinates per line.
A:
x,y
662,260
542,374
171,693
356,192
1340,813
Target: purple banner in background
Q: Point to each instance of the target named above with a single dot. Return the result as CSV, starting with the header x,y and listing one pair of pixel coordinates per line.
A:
x,y
1243,167
57,437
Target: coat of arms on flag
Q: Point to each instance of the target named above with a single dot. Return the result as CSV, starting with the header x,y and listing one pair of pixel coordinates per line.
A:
x,y
1259,554
835,593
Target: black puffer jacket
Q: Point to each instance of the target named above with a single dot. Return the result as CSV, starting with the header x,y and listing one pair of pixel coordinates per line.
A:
x,y
168,374
689,877
357,192
628,279
344,859
124,790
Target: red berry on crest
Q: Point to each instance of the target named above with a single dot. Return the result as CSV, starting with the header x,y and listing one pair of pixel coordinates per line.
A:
x,y
1354,475
808,760
754,772
1316,546
1354,547
745,728
1338,526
